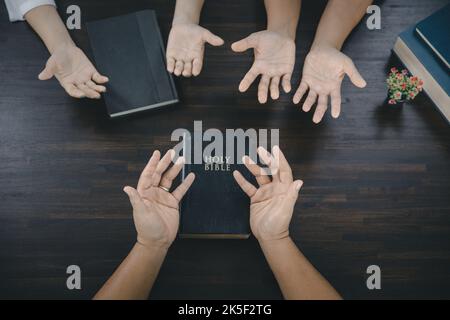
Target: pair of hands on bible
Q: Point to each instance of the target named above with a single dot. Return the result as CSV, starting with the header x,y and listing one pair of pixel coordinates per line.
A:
x,y
274,59
156,211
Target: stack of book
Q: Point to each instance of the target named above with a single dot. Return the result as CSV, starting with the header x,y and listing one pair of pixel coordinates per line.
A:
x,y
424,49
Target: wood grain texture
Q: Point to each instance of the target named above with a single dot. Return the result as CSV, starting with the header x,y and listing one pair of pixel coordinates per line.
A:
x,y
377,181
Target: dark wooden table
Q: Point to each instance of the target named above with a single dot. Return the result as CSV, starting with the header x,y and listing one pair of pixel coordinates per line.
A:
x,y
377,181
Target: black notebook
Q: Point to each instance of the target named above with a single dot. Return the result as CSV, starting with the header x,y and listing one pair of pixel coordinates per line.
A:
x,y
435,31
215,206
129,50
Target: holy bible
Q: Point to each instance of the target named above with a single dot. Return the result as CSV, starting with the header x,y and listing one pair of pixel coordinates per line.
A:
x,y
215,206
129,50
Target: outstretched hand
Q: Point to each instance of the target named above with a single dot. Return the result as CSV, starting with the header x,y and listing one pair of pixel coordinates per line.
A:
x,y
186,46
272,202
323,72
274,61
76,74
155,210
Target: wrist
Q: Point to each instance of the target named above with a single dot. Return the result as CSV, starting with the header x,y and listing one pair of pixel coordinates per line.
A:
x,y
284,30
186,16
267,242
63,45
324,44
183,21
153,245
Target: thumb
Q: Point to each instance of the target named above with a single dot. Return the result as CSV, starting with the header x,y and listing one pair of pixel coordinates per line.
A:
x,y
212,39
134,196
354,75
294,189
244,44
47,73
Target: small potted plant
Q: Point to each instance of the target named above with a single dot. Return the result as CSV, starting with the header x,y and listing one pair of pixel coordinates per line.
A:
x,y
402,86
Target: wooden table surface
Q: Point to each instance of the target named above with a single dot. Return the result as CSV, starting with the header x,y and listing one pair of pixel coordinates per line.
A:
x,y
377,180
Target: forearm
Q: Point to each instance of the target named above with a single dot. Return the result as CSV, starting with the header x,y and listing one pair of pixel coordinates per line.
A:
x,y
282,16
338,20
49,26
135,276
296,276
187,11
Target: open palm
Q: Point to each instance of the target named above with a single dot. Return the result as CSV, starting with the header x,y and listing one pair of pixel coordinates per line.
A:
x,y
323,72
274,61
186,46
76,74
155,210
272,203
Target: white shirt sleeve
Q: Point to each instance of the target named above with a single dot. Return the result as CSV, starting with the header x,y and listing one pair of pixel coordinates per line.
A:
x,y
18,8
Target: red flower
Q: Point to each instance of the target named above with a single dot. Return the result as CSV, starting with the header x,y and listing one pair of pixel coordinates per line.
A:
x,y
403,86
420,83
392,101
394,70
412,94
414,79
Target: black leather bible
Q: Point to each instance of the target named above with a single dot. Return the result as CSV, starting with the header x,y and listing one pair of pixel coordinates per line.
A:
x,y
215,206
129,50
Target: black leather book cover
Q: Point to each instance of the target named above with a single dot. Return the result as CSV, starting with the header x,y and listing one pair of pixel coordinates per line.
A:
x,y
129,50
215,206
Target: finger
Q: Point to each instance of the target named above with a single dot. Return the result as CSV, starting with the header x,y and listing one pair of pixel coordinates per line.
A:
x,y
73,91
161,167
285,169
98,78
270,162
263,88
197,65
145,180
260,174
91,84
274,88
187,71
244,44
246,186
302,88
170,64
248,79
292,193
48,71
88,91
353,74
135,198
321,108
335,103
172,173
286,82
179,66
181,190
310,100
212,39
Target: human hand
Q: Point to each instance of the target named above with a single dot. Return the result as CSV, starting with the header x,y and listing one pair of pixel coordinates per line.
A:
x,y
155,210
186,46
272,203
274,61
323,72
76,74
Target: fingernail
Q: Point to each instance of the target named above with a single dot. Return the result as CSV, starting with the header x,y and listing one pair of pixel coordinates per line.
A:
x,y
298,185
276,149
180,160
